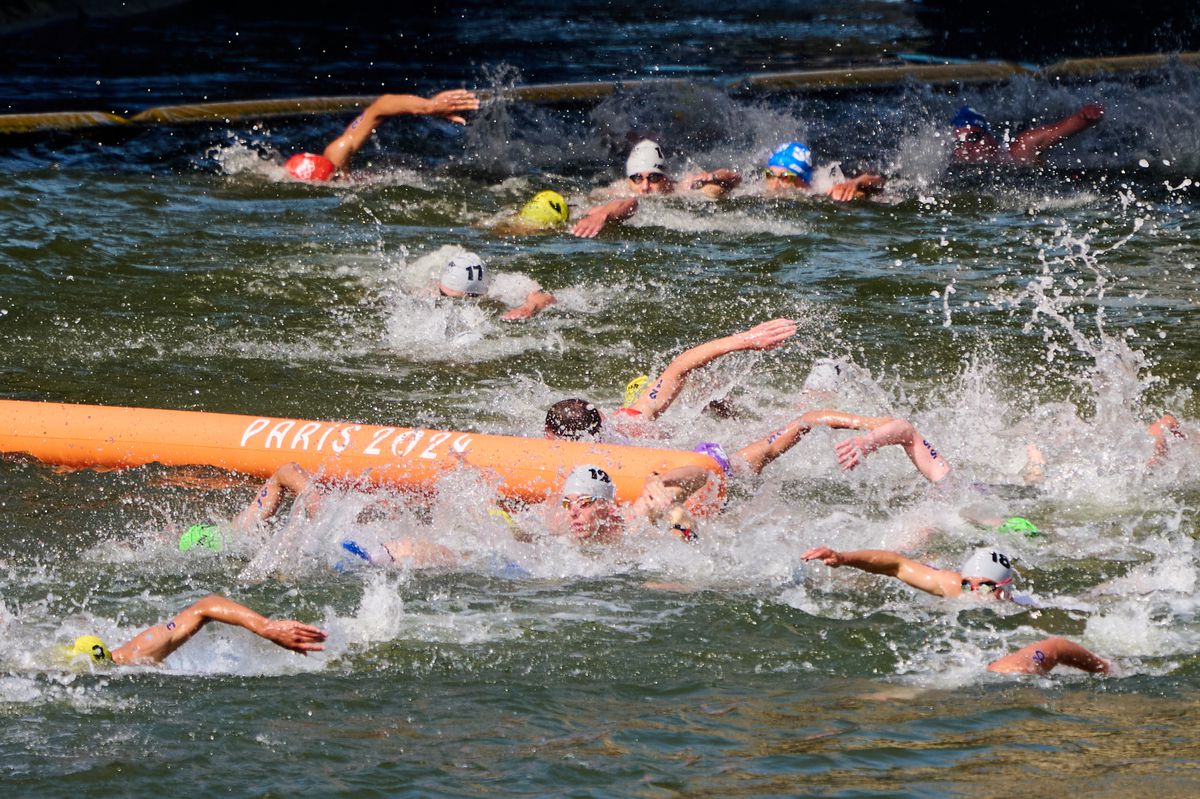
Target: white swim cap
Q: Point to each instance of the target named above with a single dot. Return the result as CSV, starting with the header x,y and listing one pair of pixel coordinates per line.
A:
x,y
465,272
989,564
826,374
589,481
646,157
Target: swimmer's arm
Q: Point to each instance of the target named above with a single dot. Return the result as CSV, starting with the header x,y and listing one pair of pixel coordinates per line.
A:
x,y
590,225
923,455
766,336
445,104
891,564
1041,657
155,644
662,491
1029,144
856,188
766,449
288,477
714,183
535,303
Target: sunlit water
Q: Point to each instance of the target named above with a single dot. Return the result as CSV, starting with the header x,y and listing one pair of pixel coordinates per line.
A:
x,y
1055,308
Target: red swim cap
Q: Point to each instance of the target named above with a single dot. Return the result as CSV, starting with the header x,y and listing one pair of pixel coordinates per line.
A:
x,y
306,166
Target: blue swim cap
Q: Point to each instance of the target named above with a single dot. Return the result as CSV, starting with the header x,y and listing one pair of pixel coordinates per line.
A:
x,y
795,158
968,117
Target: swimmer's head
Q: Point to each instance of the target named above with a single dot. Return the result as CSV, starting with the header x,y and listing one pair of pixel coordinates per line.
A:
x,y
587,498
715,451
646,169
987,570
968,117
790,164
1019,524
589,481
826,374
546,209
573,419
91,647
464,276
205,536
307,166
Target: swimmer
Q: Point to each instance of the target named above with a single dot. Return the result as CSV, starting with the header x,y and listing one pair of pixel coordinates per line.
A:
x,y
465,276
577,419
985,574
646,174
447,104
152,646
1158,430
1044,655
590,513
546,212
975,144
790,169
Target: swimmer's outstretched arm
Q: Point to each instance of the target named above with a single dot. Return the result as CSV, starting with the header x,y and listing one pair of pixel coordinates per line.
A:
x,y
714,183
892,564
288,477
1029,144
758,454
1041,657
535,303
663,491
445,104
766,336
856,188
592,222
153,646
884,431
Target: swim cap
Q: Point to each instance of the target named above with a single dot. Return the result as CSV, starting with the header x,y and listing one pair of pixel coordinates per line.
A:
x,y
589,481
826,374
201,535
465,273
306,166
989,564
795,158
645,157
1017,524
968,117
92,647
716,452
546,209
633,389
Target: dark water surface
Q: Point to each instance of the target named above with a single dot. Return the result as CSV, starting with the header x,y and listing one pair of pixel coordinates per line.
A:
x,y
178,268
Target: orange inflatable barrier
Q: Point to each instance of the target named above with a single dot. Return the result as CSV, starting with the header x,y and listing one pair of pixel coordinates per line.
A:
x,y
529,469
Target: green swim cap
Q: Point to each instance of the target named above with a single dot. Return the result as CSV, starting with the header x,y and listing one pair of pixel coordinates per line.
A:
x,y
1016,524
202,535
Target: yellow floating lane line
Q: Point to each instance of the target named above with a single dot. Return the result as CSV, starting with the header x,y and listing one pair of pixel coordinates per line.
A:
x,y
59,120
1082,67
868,77
248,109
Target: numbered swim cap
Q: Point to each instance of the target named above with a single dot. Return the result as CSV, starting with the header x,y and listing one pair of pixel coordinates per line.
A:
x,y
795,158
201,535
1018,524
465,273
989,564
645,157
589,481
968,117
307,166
546,209
92,647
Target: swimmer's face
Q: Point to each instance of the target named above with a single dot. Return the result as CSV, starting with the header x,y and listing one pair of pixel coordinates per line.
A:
x,y
779,180
973,145
650,183
590,518
455,293
983,588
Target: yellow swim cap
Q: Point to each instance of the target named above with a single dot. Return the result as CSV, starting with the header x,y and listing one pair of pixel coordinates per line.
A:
x,y
93,647
546,209
633,389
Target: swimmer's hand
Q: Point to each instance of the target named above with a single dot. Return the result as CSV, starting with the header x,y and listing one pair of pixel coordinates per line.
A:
x,y
768,335
446,105
589,226
852,451
534,303
1091,113
294,635
856,188
830,557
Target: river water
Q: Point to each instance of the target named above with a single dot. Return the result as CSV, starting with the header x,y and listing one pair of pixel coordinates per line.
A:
x,y
178,268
